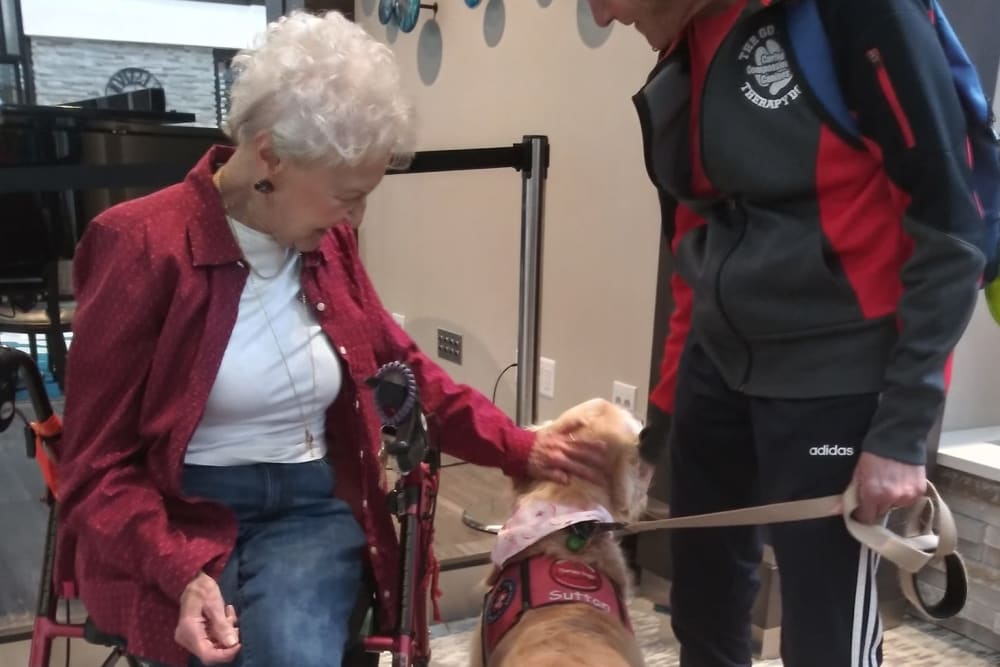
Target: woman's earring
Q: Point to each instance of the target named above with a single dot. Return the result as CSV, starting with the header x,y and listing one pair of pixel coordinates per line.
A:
x,y
264,186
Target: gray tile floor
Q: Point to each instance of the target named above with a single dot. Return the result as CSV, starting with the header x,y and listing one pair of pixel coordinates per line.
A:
x,y
915,644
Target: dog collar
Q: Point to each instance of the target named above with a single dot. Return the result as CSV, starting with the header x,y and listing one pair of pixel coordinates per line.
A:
x,y
536,519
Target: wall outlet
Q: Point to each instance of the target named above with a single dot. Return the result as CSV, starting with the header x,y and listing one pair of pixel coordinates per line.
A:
x,y
546,377
623,395
450,346
400,320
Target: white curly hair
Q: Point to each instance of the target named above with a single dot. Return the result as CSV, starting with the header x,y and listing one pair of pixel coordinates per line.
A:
x,y
325,89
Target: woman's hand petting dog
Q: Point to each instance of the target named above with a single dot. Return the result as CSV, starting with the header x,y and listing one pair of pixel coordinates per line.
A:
x,y
557,454
207,626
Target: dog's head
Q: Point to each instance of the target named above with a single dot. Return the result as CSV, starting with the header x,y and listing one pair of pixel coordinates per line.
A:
x,y
598,420
622,491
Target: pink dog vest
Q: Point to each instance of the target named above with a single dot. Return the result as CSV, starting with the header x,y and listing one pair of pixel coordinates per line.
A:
x,y
542,581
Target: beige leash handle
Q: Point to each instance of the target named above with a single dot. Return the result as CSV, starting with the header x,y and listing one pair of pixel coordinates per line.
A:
x,y
929,535
910,553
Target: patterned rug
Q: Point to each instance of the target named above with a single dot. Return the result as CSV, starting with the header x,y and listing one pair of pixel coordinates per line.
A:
x,y
915,644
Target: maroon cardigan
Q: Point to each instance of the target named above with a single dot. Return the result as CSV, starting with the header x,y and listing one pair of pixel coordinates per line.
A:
x,y
158,282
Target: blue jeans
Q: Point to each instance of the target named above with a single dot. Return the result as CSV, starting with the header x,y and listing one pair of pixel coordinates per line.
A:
x,y
297,566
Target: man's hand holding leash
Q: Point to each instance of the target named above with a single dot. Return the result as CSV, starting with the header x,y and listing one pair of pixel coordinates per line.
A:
x,y
884,485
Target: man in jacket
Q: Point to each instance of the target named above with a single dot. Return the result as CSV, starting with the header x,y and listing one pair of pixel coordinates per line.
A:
x,y
821,283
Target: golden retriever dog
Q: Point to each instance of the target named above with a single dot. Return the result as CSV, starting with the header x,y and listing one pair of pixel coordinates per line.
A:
x,y
580,570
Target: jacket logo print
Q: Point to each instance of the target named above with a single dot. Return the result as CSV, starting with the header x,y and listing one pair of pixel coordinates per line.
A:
x,y
769,82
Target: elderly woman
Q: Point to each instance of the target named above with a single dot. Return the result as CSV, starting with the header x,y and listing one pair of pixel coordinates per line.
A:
x,y
215,386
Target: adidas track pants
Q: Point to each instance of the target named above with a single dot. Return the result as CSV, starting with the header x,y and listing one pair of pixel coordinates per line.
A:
x,y
729,450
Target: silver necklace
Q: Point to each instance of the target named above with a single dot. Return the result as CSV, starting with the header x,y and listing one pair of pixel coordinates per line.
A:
x,y
217,177
309,438
254,271
261,275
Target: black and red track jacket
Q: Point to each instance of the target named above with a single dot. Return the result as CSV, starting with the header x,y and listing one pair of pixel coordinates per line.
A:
x,y
808,264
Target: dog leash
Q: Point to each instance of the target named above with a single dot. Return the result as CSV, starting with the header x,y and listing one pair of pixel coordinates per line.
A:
x,y
928,535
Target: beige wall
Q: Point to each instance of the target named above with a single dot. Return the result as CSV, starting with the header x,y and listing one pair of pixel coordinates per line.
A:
x,y
443,249
974,401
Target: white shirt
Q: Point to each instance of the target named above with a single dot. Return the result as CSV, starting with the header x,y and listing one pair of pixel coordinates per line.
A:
x,y
253,414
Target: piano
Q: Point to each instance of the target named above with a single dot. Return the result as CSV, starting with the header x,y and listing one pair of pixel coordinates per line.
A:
x,y
62,165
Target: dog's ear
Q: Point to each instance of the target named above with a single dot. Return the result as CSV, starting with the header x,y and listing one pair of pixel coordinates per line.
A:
x,y
628,493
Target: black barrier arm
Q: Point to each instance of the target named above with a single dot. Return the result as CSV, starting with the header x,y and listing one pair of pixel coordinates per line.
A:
x,y
518,157
95,176
466,159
